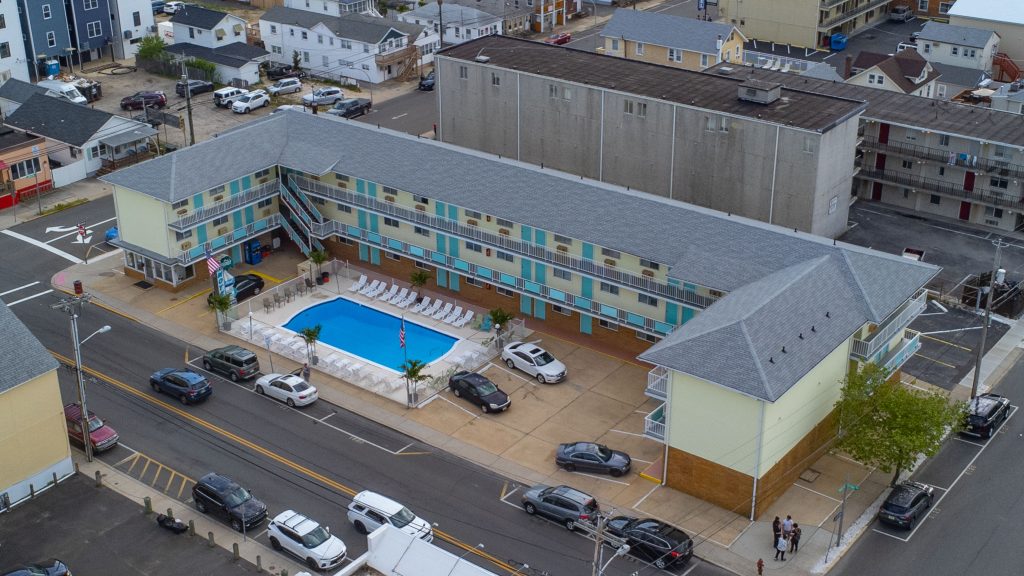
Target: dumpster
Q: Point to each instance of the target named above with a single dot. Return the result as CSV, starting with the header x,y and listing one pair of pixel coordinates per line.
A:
x,y
838,42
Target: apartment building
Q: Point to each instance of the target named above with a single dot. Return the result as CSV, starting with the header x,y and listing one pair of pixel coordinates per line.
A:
x,y
758,150
791,312
328,7
515,15
216,37
671,40
933,9
46,35
13,60
807,23
461,23
132,20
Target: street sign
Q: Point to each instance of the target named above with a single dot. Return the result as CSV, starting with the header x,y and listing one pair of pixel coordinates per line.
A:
x,y
848,486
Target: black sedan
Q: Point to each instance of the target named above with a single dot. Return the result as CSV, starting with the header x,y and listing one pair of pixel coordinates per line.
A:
x,y
986,413
479,390
140,100
654,541
194,87
278,71
591,457
427,82
246,286
906,504
350,107
185,385
52,567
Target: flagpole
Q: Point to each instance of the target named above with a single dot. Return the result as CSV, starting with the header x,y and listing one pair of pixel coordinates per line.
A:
x,y
405,349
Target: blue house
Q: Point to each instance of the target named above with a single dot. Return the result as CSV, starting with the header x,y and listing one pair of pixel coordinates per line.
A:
x,y
46,33
90,28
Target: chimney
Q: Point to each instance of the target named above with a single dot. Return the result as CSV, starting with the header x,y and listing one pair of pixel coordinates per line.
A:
x,y
847,72
718,43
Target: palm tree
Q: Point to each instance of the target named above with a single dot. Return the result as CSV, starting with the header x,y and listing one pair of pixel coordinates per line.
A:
x,y
412,371
500,318
318,257
419,278
310,335
220,304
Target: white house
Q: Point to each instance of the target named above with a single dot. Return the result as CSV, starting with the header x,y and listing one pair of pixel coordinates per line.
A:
x,y
217,37
905,72
13,63
958,46
15,92
132,21
461,23
334,7
356,46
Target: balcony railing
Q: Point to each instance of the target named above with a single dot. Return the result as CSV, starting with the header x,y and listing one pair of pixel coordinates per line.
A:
x,y
851,14
236,236
902,352
391,56
984,195
532,251
990,165
486,275
233,203
654,424
657,383
867,349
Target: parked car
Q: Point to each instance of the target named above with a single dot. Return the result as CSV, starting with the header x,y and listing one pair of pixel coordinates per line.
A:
x,y
285,86
906,504
251,101
350,107
559,39
901,14
369,511
101,436
278,71
986,413
427,82
565,505
479,390
173,7
51,567
158,6
185,385
246,286
323,96
288,388
235,361
306,540
225,97
219,495
592,457
654,541
139,100
194,87
535,361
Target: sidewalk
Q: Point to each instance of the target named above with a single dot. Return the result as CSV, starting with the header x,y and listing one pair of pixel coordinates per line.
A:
x,y
28,209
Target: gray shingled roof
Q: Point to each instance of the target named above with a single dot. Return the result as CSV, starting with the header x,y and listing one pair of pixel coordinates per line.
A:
x,y
24,357
58,119
359,27
235,55
455,15
198,17
17,91
959,75
666,30
951,34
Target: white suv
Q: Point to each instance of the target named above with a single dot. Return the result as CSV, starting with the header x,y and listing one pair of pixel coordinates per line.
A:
x,y
285,86
369,511
251,101
308,541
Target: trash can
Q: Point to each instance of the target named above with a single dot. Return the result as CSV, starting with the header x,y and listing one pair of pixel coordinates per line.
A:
x,y
838,42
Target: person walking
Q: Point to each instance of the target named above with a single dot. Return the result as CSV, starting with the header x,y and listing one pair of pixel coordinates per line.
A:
x,y
760,567
305,371
776,531
794,539
780,549
787,527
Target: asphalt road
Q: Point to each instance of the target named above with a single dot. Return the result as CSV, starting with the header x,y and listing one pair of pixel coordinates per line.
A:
x,y
413,113
975,522
310,460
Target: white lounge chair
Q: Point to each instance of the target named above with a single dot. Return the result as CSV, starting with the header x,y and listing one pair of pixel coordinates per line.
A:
x,y
464,320
398,297
368,289
408,300
356,369
379,290
455,315
423,305
443,312
432,309
358,285
389,294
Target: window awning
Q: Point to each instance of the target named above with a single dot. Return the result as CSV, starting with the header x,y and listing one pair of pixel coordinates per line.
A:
x,y
128,136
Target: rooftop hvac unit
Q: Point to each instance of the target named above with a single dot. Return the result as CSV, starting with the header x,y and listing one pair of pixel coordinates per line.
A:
x,y
760,91
726,70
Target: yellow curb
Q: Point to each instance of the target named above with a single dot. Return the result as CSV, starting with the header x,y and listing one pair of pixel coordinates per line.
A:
x,y
650,478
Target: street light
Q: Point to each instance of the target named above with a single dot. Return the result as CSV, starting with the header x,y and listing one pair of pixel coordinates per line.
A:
x,y
368,81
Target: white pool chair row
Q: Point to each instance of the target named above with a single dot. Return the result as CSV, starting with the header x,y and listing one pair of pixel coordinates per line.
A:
x,y
375,289
342,367
405,302
423,305
358,284
465,319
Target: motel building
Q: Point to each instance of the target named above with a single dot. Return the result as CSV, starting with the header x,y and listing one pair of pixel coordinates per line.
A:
x,y
745,325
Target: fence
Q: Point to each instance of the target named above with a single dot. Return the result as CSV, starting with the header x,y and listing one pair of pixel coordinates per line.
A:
x,y
172,69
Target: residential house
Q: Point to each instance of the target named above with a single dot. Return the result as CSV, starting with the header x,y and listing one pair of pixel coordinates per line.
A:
x,y
1007,97
331,7
13,61
349,46
954,80
24,166
91,29
958,45
777,155
46,35
82,141
906,72
133,20
807,23
14,92
33,435
1004,18
220,38
515,14
788,313
671,40
461,23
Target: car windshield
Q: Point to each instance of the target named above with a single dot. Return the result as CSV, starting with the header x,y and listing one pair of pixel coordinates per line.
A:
x,y
315,538
237,496
543,359
245,98
95,424
300,387
402,518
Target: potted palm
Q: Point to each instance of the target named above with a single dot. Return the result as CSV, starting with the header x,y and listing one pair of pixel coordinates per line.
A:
x,y
500,318
310,335
220,304
412,371
318,257
419,279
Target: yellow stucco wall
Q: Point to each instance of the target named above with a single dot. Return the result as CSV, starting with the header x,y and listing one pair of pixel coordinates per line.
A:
x,y
142,221
32,432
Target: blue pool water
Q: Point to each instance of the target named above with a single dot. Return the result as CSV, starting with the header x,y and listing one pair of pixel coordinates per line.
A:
x,y
368,333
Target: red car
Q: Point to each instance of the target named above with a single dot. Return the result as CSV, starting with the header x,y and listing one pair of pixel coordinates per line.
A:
x,y
559,39
141,99
103,437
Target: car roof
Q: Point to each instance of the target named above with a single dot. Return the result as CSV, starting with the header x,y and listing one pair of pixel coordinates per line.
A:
x,y
302,525
375,501
218,482
290,379
985,404
234,350
902,494
573,494
474,378
189,376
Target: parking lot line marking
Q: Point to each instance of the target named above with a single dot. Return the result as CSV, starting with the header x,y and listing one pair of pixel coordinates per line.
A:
x,y
182,488
326,417
978,444
641,501
138,456
930,359
127,458
627,433
9,304
156,475
644,461
816,492
504,487
502,367
142,473
473,415
505,495
266,276
691,569
600,478
19,288
893,536
42,245
929,335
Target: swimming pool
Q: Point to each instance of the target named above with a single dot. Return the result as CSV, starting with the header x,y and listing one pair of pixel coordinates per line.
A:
x,y
371,334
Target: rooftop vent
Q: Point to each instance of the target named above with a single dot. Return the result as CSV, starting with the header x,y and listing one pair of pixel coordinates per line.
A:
x,y
483,59
760,91
725,70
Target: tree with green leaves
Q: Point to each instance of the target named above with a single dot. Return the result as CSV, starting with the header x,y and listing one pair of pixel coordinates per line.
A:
x,y
886,424
220,304
151,48
318,257
419,278
310,335
412,371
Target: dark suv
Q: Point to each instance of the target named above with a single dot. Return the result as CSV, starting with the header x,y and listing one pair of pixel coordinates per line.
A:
x,y
235,361
185,385
194,87
653,541
985,413
221,496
278,71
141,100
565,505
906,504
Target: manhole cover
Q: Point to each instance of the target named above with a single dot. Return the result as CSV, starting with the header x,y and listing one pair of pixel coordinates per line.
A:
x,y
810,475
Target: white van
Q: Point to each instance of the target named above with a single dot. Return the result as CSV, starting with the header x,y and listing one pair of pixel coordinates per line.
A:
x,y
65,90
369,511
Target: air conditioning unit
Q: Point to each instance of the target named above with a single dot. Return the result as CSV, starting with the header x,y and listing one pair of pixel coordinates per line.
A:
x,y
186,245
182,211
222,231
127,34
760,91
218,198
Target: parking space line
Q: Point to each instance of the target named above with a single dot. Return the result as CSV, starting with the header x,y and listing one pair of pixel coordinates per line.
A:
x,y
649,492
156,475
9,304
893,536
134,454
326,417
950,331
816,492
138,456
441,396
978,444
505,369
627,433
142,473
600,478
691,569
919,355
19,288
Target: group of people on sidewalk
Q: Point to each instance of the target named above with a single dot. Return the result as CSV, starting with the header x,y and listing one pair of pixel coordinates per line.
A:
x,y
785,536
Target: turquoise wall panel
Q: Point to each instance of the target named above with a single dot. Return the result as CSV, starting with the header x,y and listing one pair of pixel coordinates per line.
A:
x,y
671,312
586,324
375,256
246,182
361,218
484,272
688,314
587,287
539,309
364,252
361,186
442,278
526,233
236,219
197,201
453,212
540,237
453,246
540,273
441,243
453,281
250,214
461,264
525,267
374,223
526,305
588,251
439,209
234,188
371,189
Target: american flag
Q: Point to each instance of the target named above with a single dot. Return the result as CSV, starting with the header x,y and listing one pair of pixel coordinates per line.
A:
x,y
401,335
211,263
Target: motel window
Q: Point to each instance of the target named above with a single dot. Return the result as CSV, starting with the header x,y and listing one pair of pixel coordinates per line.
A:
x,y
420,199
391,222
265,203
645,299
561,309
563,274
611,253
463,72
505,292
504,256
345,208
472,214
219,221
504,223
563,240
179,236
179,204
608,325
609,288
473,246
421,231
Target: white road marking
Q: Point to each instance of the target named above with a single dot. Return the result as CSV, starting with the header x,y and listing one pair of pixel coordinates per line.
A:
x,y
18,288
978,444
328,416
9,304
600,478
641,501
950,331
628,433
74,231
694,565
134,453
43,245
399,116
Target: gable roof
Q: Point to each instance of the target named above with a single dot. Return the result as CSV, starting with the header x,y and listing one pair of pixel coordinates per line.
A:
x,y
866,59
902,68
24,356
350,26
666,30
961,35
455,14
18,91
501,8
235,55
959,75
198,17
58,119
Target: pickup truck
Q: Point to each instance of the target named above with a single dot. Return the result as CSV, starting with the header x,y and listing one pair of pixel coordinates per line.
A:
x,y
351,107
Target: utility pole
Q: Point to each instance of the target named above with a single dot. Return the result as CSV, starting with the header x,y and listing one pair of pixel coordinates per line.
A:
x,y
598,544
980,352
72,305
188,104
440,20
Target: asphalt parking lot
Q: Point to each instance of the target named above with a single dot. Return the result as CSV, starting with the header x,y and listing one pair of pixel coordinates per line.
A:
x,y
96,531
949,340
